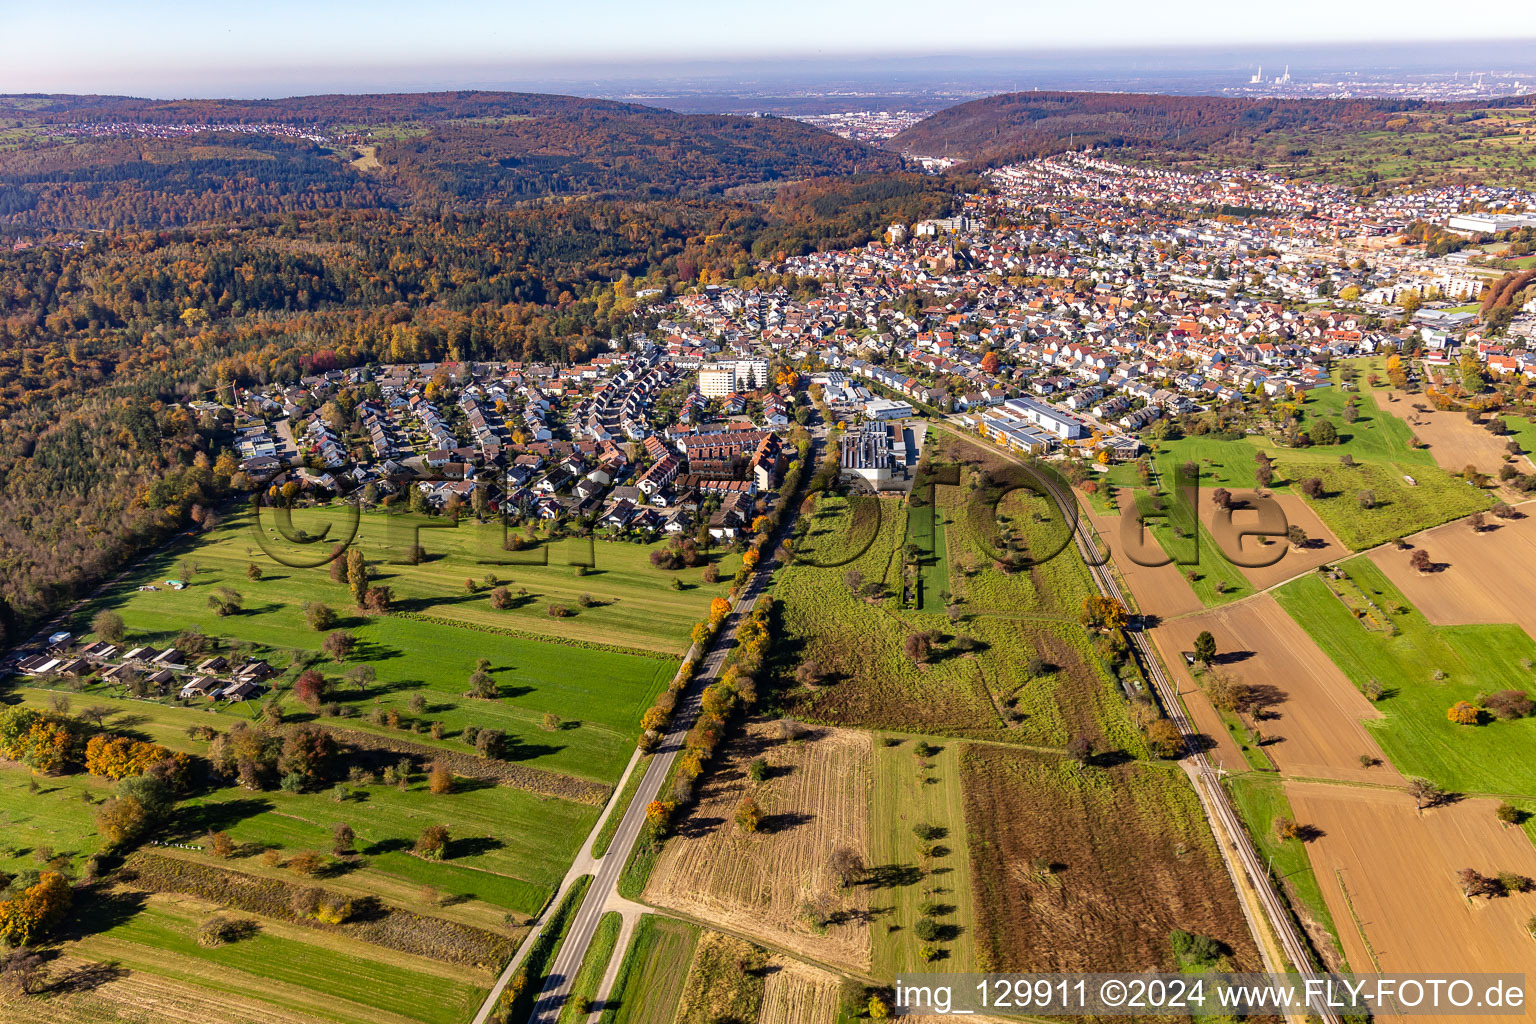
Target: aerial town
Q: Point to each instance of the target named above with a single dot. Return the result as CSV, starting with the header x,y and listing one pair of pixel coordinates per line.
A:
x,y
1157,305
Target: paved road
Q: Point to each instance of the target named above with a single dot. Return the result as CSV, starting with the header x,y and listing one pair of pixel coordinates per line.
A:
x,y
600,895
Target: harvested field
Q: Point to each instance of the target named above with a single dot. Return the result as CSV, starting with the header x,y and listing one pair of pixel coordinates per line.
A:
x,y
1376,849
1161,590
1453,440
814,800
1478,577
1315,718
1322,546
94,994
726,982
1082,869
798,993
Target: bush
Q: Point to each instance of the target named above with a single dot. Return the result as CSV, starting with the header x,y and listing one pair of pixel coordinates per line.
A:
x,y
440,779
219,930
1195,950
927,929
432,843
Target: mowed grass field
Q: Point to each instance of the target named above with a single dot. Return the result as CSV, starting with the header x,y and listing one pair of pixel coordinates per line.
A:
x,y
1415,733
313,973
636,605
910,791
650,981
52,822
597,693
1380,445
514,845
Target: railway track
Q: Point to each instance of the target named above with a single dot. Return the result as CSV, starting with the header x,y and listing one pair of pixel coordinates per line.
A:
x,y
1203,775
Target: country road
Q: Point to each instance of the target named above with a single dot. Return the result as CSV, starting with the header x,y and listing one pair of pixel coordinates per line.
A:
x,y
605,881
603,895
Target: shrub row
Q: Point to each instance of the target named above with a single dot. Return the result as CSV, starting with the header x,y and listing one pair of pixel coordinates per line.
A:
x,y
372,921
518,776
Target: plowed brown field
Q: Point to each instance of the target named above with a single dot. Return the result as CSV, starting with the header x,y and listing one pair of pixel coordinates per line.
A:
x,y
1481,577
815,799
1389,876
1322,547
1453,440
1318,721
1159,590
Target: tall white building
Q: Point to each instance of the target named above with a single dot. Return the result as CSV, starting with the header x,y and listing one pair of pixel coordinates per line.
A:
x,y
751,374
716,380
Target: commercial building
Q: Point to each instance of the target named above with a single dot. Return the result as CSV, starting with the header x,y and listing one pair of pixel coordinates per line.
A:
x,y
1062,424
886,409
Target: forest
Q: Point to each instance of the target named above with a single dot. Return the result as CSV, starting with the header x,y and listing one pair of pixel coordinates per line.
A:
x,y
1025,125
92,164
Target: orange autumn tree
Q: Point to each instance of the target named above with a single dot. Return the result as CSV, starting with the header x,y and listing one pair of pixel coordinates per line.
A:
x,y
119,757
30,916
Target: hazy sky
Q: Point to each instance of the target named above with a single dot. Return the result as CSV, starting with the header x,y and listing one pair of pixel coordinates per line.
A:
x,y
279,47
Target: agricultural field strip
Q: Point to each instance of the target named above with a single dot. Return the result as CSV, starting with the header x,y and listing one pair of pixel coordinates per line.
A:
x,y
1218,809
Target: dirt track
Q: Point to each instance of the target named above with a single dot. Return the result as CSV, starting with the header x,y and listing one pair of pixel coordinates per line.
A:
x,y
1480,577
1318,720
1399,870
815,800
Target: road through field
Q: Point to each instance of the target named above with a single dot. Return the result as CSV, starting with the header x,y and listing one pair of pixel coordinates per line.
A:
x,y
602,894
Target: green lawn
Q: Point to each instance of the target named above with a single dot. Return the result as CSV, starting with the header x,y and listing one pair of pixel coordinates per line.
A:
x,y
652,975
926,528
55,820
318,975
1399,508
620,805
598,693
1378,442
1415,734
905,795
635,603
512,847
1261,799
